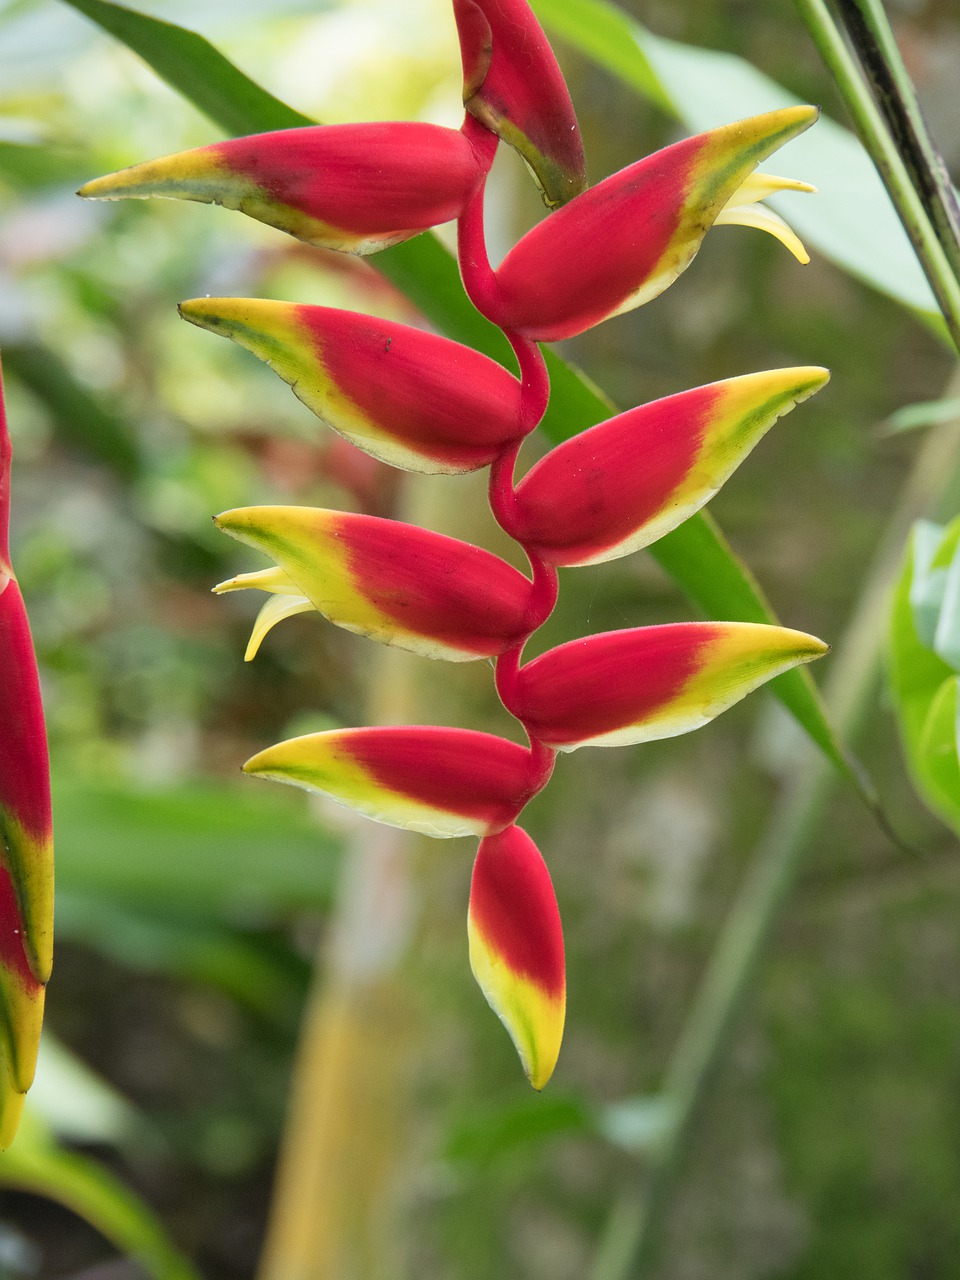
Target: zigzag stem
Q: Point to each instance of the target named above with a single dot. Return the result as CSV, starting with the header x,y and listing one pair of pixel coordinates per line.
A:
x,y
480,283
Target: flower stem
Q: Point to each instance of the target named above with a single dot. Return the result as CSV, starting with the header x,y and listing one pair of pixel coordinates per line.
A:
x,y
890,164
873,42
475,270
534,379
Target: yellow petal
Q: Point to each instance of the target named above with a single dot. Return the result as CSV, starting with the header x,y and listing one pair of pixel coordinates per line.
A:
x,y
274,610
764,219
273,580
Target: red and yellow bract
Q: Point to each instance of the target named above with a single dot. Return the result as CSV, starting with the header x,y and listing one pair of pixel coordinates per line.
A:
x,y
412,399
26,834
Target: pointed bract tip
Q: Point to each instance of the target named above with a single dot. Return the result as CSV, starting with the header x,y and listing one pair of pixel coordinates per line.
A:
x,y
11,1109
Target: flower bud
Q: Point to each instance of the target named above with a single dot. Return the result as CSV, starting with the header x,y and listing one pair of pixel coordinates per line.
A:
x,y
512,84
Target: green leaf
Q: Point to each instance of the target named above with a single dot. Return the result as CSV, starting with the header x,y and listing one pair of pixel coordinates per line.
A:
x,y
696,554
929,413
851,221
946,640
191,65
927,584
139,847
924,687
36,1163
937,760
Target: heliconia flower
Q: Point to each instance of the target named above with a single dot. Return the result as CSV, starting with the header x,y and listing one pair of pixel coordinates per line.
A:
x,y
393,582
353,187
625,240
26,840
442,782
512,84
626,482
516,947
409,398
630,686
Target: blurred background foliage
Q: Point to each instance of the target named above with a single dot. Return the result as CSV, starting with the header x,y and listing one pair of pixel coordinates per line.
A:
x,y
191,903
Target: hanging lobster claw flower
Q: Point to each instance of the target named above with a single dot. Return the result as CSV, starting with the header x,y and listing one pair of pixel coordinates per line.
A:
x,y
625,240
630,686
26,848
353,187
442,782
516,947
409,398
512,84
626,482
393,582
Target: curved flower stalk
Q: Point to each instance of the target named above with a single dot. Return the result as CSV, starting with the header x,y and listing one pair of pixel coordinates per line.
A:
x,y
423,403
26,838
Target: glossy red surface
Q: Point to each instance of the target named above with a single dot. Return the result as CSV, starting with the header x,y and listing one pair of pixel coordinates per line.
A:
x,y
513,905
361,177
606,682
458,770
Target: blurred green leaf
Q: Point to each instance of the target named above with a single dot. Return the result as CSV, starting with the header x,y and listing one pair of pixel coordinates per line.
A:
x,y
80,420
924,686
696,555
927,584
38,165
36,1163
487,1135
203,849
929,413
75,1102
946,639
937,751
191,65
258,973
851,221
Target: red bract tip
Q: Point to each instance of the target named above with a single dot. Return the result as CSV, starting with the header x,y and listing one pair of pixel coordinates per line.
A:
x,y
516,947
651,682
625,483
393,582
512,84
409,398
352,187
624,241
442,782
